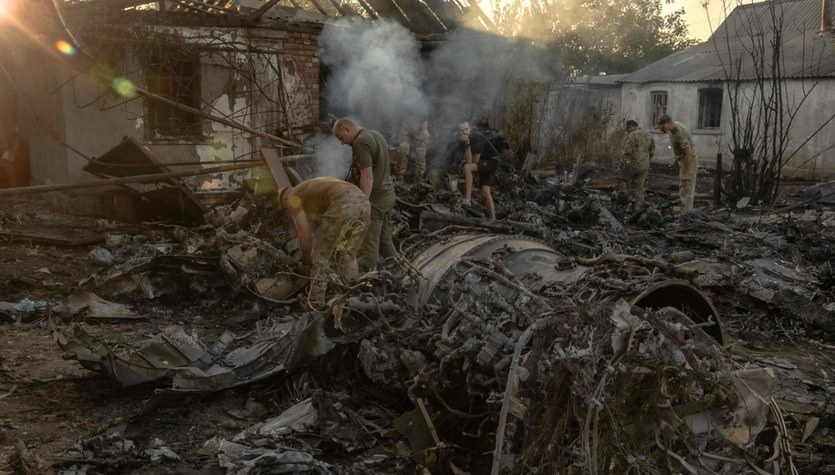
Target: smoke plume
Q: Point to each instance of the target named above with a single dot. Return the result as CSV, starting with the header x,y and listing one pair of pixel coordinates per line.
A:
x,y
465,77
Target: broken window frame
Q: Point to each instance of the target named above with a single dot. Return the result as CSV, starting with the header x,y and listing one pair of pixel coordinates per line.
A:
x,y
710,108
658,102
177,78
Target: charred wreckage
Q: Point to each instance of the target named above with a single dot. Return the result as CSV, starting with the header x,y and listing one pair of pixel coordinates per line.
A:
x,y
474,352
576,334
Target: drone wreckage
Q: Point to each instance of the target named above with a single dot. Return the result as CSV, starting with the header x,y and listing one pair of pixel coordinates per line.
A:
x,y
475,352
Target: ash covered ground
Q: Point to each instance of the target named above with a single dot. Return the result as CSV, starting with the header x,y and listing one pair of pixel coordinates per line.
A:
x,y
577,334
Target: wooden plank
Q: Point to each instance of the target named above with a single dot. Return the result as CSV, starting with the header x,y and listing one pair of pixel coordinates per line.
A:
x,y
448,12
319,7
154,177
421,17
365,6
388,9
276,168
59,236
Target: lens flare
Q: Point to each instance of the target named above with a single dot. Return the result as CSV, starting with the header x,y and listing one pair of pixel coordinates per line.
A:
x,y
124,87
294,202
65,47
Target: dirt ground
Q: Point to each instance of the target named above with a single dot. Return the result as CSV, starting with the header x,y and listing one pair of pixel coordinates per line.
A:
x,y
48,403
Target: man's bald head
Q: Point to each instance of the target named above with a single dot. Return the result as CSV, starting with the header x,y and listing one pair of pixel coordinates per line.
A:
x,y
345,130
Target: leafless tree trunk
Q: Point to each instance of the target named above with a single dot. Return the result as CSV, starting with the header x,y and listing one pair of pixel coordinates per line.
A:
x,y
763,106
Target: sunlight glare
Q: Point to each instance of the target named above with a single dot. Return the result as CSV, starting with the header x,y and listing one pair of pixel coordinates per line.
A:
x,y
65,47
124,87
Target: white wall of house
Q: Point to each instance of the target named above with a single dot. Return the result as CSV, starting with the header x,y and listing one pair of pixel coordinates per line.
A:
x,y
814,158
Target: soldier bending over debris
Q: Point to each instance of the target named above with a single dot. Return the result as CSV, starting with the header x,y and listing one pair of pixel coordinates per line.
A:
x,y
345,214
638,150
685,158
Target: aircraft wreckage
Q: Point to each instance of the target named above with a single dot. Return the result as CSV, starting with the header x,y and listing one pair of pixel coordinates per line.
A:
x,y
514,357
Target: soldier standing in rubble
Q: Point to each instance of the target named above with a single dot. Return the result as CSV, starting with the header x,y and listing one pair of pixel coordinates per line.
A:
x,y
371,172
410,125
685,158
479,157
638,150
345,214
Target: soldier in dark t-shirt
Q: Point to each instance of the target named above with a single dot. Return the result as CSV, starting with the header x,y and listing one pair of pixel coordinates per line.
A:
x,y
370,171
479,157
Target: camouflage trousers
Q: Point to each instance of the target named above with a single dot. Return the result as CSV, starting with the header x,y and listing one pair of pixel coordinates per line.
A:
x,y
634,177
687,185
404,148
340,234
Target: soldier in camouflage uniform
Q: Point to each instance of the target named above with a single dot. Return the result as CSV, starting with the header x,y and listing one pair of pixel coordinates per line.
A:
x,y
685,158
638,151
344,216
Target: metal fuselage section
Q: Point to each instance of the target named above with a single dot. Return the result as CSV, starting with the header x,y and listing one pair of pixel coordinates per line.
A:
x,y
534,264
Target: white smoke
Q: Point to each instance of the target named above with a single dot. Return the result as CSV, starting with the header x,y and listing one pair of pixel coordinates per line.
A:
x,y
466,75
332,157
360,55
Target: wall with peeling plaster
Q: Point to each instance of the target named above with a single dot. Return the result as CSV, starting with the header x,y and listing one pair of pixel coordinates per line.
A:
x,y
814,160
93,118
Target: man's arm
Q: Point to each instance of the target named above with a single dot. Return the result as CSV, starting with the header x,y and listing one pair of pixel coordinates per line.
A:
x,y
366,180
304,234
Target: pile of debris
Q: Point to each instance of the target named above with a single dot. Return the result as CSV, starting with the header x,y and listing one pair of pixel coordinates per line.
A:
x,y
481,350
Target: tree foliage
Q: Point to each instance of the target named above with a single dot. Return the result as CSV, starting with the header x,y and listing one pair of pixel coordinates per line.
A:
x,y
596,36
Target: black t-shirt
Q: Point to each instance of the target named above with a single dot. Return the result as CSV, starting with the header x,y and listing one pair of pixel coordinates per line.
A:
x,y
480,145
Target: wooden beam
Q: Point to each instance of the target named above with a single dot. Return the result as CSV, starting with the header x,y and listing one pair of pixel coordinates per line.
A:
x,y
264,9
388,9
28,190
319,7
276,167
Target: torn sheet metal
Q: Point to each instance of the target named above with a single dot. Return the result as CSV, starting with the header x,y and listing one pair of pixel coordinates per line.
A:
x,y
286,346
301,417
158,359
97,308
161,274
242,459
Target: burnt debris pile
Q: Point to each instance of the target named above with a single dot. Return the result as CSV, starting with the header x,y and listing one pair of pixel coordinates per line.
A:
x,y
577,334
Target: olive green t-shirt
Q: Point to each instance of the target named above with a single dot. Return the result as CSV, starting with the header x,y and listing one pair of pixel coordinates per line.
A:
x,y
680,139
371,150
315,196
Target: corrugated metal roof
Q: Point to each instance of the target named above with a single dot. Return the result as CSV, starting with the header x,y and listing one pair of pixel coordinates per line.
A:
x,y
807,52
420,16
605,80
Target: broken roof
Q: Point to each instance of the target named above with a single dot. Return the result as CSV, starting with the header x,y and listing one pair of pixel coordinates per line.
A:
x,y
807,51
420,16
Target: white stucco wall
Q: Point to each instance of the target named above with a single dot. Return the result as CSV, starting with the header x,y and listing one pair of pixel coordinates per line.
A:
x,y
813,159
